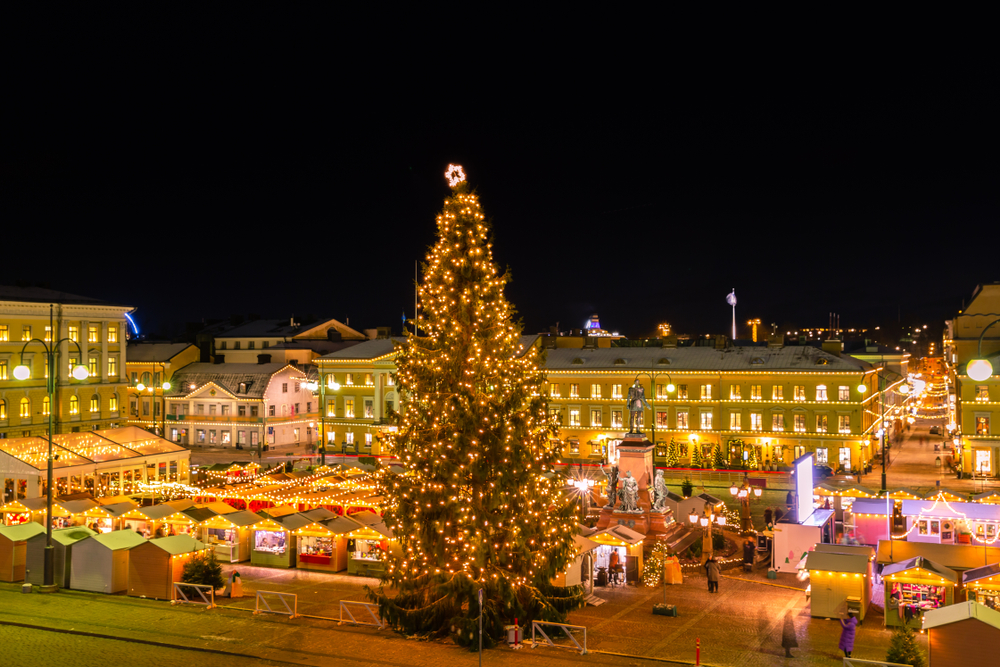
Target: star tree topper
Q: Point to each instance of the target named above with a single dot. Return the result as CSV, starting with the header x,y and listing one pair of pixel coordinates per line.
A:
x,y
454,174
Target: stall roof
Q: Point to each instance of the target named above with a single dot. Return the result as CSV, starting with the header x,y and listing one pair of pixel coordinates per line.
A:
x,y
221,508
242,518
960,612
320,514
117,509
278,511
837,562
71,535
990,497
157,512
119,539
955,556
818,518
91,445
941,509
920,563
850,489
373,521
950,496
113,500
857,550
34,451
621,533
869,506
178,544
342,525
584,545
198,514
32,504
294,521
22,531
710,499
181,504
76,506
903,493
984,572
141,441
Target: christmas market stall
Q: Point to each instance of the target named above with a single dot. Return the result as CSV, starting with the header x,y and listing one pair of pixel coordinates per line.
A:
x,y
870,519
793,540
957,557
987,498
100,562
368,544
618,558
23,511
914,587
982,584
273,542
153,521
944,522
229,534
13,549
119,513
839,582
579,571
155,565
966,633
63,541
322,545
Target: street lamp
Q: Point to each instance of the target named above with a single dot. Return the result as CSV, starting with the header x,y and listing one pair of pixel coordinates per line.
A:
x,y
141,387
22,372
980,369
745,493
706,519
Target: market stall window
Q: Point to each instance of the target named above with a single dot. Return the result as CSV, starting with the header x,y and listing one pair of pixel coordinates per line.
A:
x,y
315,549
270,541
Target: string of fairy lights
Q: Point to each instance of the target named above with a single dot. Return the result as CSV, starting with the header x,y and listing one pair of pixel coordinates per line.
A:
x,y
962,518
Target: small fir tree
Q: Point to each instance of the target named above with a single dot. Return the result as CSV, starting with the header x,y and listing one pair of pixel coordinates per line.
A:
x,y
474,509
203,569
687,487
718,460
697,460
903,648
673,453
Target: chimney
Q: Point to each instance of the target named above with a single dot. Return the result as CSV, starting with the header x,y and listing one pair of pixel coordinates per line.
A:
x,y
383,332
263,358
833,346
219,359
720,342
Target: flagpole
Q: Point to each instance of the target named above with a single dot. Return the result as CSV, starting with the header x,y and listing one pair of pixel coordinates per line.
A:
x,y
734,313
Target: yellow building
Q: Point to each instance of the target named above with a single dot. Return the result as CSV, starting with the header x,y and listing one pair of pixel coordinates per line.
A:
x,y
87,332
976,402
761,406
149,365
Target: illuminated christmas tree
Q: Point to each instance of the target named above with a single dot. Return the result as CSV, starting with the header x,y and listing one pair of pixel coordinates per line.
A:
x,y
474,508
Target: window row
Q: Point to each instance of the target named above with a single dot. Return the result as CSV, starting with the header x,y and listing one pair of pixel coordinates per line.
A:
x,y
706,420
93,333
331,439
367,408
354,379
25,406
93,367
662,392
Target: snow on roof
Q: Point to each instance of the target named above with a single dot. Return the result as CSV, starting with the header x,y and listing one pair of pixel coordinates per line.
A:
x,y
632,359
154,351
959,612
255,377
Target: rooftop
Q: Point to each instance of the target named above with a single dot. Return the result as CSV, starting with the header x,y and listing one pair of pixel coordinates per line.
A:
x,y
147,352
228,376
800,358
44,295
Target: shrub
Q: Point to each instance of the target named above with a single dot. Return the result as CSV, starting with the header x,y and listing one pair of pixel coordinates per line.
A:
x,y
204,569
903,648
687,488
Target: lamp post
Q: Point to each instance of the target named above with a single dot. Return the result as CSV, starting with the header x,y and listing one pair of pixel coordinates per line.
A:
x,y
22,372
583,487
707,518
652,391
164,387
321,385
745,492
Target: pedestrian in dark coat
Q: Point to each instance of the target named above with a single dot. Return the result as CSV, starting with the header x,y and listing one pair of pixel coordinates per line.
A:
x,y
788,640
713,570
768,517
848,625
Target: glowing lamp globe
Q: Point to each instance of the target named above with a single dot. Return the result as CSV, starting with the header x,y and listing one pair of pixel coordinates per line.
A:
x,y
22,372
904,389
670,388
166,386
336,386
862,388
757,491
693,517
141,387
734,489
979,369
721,521
704,521
81,373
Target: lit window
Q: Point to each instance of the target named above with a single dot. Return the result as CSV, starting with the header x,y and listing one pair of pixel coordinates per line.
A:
x,y
201,436
113,403
112,333
682,392
845,457
225,437
843,393
349,378
799,423
349,408
682,418
331,409
369,408
662,419
821,392
73,363
755,392
734,392
982,425
212,435
74,333
112,366
350,437
331,380
706,392
844,423
777,393
616,418
574,417
574,391
48,333
616,391
756,421
778,421
368,439
3,370
822,455
821,426
389,381
982,392
735,421
3,409
369,381
25,333
92,334
706,420
595,391
554,390
595,417
25,408
92,367
4,333
800,392
74,405
46,406
95,403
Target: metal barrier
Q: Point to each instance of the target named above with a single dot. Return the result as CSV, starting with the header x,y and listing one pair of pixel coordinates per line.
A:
x,y
537,625
854,662
289,611
372,610
180,597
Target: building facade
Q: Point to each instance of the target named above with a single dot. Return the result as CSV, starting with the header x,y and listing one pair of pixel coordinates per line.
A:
x,y
284,341
149,365
85,332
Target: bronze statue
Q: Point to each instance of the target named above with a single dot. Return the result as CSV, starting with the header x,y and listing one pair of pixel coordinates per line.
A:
x,y
635,403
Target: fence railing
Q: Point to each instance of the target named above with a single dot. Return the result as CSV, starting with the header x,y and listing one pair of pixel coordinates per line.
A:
x,y
262,605
567,630
371,609
197,594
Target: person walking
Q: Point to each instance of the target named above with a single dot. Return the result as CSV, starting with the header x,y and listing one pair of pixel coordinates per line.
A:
x,y
788,640
848,627
713,570
768,518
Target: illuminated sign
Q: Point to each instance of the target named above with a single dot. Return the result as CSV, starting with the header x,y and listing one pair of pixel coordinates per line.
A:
x,y
803,470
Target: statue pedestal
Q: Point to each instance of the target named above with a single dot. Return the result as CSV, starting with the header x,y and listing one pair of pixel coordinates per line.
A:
x,y
636,457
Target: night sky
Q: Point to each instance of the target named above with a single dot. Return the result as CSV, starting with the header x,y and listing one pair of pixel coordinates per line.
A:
x,y
642,203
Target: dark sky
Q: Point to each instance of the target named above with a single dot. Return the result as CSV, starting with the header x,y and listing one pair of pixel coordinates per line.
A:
x,y
641,200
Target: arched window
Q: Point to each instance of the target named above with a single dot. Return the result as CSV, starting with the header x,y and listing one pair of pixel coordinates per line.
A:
x,y
95,403
145,379
74,405
113,403
3,409
25,408
45,406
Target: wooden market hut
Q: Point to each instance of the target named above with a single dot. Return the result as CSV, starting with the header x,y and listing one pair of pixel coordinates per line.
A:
x,y
914,587
273,542
622,538
580,571
322,545
14,548
839,582
230,534
63,540
100,562
21,511
155,565
367,544
120,512
870,520
982,585
962,634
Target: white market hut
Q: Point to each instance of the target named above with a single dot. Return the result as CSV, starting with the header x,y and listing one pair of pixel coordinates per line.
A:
x,y
580,570
155,565
839,582
229,534
322,545
63,540
628,544
13,549
100,562
792,541
368,544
